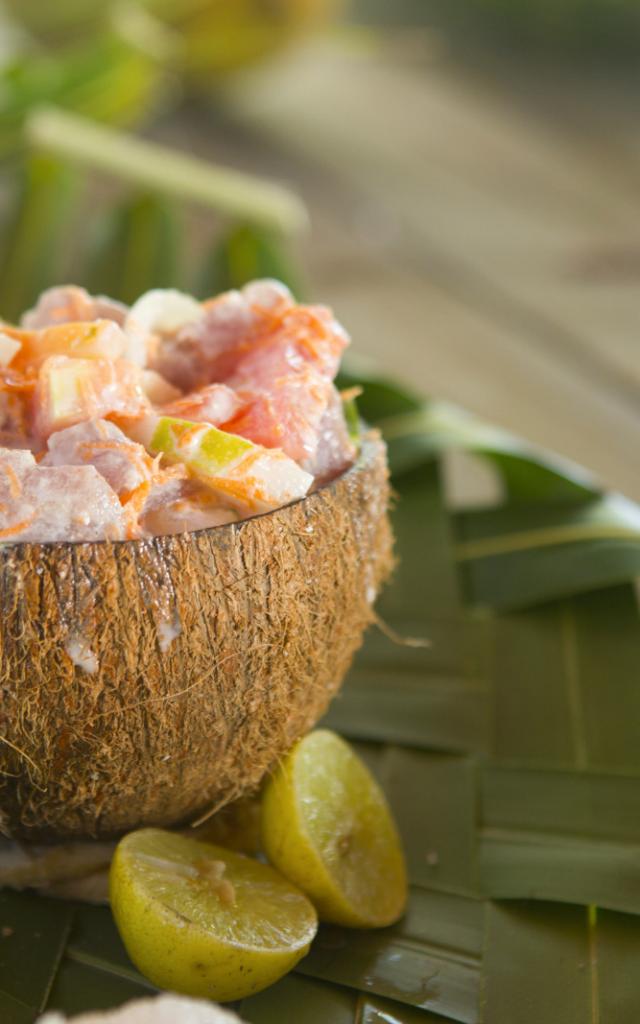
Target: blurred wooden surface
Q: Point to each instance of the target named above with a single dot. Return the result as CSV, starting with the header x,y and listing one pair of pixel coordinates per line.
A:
x,y
477,231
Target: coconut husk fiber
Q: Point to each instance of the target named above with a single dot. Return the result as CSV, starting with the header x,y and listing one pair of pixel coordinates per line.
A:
x,y
198,659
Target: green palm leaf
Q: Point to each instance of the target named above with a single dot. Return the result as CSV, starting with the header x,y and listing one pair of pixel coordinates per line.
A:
x,y
517,555
136,247
416,430
34,245
106,79
244,254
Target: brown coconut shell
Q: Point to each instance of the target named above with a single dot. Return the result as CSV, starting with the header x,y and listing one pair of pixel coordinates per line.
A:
x,y
268,614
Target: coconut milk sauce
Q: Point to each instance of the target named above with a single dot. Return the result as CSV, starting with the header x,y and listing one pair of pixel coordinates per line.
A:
x,y
79,650
158,591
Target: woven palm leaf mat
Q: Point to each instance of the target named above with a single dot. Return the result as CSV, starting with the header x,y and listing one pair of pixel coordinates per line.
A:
x,y
508,749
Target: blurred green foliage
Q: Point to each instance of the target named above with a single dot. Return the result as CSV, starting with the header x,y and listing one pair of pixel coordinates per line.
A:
x,y
136,246
210,37
244,254
45,195
571,28
593,27
119,63
62,224
106,79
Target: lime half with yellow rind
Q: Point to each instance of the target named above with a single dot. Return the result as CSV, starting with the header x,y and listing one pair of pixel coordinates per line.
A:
x,y
204,921
327,826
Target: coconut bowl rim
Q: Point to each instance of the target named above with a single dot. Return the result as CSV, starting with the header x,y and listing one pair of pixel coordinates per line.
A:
x,y
365,441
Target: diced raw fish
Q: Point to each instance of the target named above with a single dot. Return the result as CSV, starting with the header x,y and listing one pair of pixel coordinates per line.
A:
x,y
72,390
214,404
74,503
163,310
171,483
288,337
157,313
287,416
65,303
264,480
209,349
15,466
335,450
124,464
286,377
232,324
267,294
106,308
99,339
251,337
17,513
244,475
186,515
60,503
304,338
206,350
16,460
158,390
178,503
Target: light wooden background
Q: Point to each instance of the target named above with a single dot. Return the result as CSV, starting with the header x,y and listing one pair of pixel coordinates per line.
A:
x,y
477,228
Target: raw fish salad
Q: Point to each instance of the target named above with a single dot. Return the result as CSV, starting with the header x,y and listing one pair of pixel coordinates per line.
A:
x,y
171,415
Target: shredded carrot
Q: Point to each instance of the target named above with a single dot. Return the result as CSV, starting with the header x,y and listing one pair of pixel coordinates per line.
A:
x,y
10,531
137,495
11,380
133,503
14,481
349,394
182,405
249,459
14,332
100,446
133,508
176,471
190,434
235,488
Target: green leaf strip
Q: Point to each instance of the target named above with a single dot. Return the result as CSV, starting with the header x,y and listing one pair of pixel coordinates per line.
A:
x,y
160,168
488,547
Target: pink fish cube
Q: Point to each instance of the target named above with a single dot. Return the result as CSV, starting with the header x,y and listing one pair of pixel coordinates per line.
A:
x,y
124,464
68,303
61,503
214,404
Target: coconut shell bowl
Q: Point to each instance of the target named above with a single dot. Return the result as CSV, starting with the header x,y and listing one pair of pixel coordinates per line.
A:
x,y
145,682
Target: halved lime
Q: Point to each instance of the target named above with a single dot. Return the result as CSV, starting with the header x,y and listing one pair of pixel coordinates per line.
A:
x,y
205,921
327,826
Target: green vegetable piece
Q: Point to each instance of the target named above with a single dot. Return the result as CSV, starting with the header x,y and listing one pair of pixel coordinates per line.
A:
x,y
212,451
